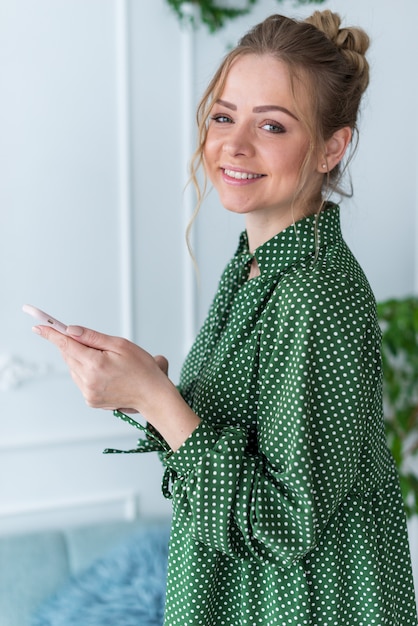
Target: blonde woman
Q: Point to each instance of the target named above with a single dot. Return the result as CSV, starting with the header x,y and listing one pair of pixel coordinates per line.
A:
x,y
286,504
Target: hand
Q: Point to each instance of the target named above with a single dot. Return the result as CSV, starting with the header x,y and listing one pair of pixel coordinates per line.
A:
x,y
163,365
112,373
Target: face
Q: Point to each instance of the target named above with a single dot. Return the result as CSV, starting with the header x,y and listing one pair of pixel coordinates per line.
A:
x,y
256,145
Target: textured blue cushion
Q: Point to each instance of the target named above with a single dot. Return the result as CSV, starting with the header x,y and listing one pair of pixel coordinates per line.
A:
x,y
125,587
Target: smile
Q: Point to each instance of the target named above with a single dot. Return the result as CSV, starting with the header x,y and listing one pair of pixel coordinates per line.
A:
x,y
241,175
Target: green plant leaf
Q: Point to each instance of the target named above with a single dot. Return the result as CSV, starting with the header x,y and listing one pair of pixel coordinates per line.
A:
x,y
398,320
214,14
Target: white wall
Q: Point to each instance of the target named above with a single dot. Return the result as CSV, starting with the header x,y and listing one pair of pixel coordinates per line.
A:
x,y
95,119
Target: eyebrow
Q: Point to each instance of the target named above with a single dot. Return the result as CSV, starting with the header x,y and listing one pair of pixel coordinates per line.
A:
x,y
260,109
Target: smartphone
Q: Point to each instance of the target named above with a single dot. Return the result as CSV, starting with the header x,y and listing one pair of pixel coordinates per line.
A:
x,y
44,318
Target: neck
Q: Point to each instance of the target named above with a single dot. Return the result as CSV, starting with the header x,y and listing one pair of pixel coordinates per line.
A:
x,y
259,231
261,226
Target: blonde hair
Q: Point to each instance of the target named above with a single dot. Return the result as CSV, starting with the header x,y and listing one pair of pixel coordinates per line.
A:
x,y
330,63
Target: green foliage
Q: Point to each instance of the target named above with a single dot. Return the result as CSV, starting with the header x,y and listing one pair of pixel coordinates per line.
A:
x,y
399,322
214,15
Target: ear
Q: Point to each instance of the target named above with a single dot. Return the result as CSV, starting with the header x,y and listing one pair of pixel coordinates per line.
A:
x,y
335,148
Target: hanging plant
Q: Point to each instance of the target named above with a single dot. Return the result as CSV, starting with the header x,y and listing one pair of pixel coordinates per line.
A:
x,y
214,14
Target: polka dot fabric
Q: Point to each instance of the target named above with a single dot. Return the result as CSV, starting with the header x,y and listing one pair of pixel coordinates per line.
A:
x,y
286,504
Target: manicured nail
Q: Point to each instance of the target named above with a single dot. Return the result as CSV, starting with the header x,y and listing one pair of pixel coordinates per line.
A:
x,y
75,331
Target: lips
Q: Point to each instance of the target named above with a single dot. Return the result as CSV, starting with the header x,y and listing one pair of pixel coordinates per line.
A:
x,y
241,175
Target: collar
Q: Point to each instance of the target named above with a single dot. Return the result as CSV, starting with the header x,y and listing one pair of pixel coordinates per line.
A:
x,y
296,242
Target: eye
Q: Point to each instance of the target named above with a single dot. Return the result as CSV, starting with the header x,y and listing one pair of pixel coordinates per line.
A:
x,y
273,127
220,118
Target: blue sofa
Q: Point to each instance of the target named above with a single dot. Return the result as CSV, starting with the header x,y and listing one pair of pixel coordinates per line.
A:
x,y
34,566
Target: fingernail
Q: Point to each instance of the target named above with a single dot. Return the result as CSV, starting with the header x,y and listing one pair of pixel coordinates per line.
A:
x,y
75,331
36,330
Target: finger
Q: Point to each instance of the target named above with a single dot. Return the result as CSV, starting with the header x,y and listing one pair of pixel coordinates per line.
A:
x,y
55,337
81,336
71,350
162,363
92,338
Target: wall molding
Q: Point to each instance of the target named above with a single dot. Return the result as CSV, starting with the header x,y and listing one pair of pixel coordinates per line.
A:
x,y
58,513
124,128
105,440
188,56
16,371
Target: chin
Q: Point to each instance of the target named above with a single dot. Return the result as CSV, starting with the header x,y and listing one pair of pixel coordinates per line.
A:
x,y
239,208
237,211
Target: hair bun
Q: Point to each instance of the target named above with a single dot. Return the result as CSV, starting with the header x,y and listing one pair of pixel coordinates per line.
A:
x,y
352,42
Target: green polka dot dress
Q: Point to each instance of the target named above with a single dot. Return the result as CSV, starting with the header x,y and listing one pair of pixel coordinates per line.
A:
x,y
286,504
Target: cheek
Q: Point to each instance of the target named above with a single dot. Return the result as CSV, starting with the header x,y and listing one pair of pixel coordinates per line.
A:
x,y
294,161
209,158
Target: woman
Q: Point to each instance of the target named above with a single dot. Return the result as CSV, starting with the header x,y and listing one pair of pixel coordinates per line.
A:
x,y
286,504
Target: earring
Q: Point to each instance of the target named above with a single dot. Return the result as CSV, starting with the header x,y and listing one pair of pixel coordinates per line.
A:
x,y
324,166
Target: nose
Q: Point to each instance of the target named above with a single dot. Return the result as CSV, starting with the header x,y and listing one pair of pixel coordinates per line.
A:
x,y
239,141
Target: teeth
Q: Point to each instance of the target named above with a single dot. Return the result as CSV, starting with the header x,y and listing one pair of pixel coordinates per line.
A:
x,y
241,175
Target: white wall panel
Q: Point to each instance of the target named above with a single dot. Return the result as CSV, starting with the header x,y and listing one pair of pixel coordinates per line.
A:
x,y
48,486
159,179
64,222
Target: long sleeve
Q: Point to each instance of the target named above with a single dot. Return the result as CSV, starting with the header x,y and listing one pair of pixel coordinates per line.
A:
x,y
318,372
